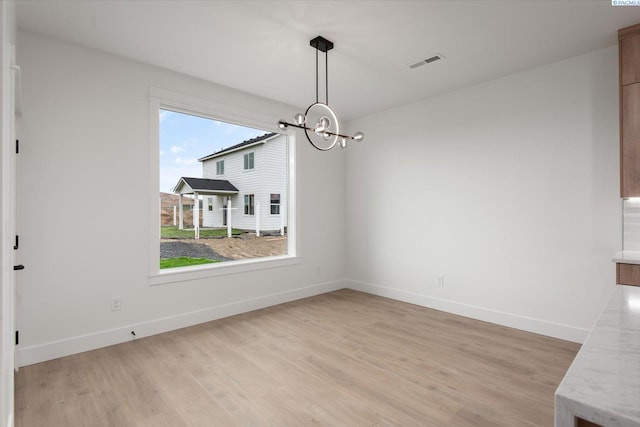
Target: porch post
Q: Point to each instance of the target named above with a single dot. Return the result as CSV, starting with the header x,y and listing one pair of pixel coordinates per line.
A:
x,y
257,219
196,215
174,215
282,219
228,217
180,208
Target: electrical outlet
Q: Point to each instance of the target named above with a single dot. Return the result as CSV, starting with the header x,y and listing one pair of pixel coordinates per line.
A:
x,y
441,281
116,303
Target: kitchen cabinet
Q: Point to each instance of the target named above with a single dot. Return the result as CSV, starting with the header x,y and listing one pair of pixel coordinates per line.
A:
x,y
628,274
629,56
584,423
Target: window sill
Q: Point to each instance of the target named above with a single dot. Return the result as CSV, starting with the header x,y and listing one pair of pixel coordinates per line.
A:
x,y
220,269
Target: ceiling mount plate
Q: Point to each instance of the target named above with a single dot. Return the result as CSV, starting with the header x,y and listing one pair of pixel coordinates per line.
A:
x,y
321,44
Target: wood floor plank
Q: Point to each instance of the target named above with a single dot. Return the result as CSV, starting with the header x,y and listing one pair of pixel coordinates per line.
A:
x,y
342,358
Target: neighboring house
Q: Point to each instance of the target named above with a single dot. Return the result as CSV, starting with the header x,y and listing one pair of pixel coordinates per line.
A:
x,y
250,176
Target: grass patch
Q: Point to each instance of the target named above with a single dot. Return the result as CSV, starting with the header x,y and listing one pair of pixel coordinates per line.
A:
x,y
172,232
184,262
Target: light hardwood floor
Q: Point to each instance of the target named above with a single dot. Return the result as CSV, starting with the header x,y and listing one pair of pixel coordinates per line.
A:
x,y
340,359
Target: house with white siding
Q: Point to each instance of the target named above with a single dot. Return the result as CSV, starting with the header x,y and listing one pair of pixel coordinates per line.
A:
x,y
249,178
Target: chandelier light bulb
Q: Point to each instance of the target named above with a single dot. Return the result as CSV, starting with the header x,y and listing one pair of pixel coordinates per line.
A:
x,y
325,122
343,143
299,119
322,126
282,124
358,136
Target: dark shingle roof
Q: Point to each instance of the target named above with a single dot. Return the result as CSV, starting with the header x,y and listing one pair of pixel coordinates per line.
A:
x,y
237,146
205,184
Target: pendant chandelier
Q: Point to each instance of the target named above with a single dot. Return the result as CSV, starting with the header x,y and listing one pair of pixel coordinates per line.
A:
x,y
320,122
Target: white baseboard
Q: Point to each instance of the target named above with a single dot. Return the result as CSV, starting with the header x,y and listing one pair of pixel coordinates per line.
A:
x,y
55,349
529,324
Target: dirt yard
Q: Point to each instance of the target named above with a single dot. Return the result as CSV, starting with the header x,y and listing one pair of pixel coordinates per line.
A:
x,y
244,246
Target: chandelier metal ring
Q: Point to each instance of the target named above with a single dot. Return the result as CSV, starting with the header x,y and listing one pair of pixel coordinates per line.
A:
x,y
323,136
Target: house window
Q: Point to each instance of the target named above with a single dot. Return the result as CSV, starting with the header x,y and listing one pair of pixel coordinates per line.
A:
x,y
248,204
183,170
275,204
248,161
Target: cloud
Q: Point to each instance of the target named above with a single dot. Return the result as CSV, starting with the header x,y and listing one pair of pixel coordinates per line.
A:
x,y
186,162
175,149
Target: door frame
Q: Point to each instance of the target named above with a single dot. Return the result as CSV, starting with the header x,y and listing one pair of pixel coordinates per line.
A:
x,y
9,74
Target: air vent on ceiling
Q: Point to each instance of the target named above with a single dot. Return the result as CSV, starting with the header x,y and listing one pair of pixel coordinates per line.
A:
x,y
429,60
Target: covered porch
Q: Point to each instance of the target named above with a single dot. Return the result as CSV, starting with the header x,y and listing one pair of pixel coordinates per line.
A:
x,y
203,187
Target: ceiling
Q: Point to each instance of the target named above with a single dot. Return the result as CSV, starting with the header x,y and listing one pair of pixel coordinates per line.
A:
x,y
262,47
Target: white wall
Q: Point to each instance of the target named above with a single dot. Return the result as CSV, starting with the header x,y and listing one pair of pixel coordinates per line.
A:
x,y
85,152
631,224
508,188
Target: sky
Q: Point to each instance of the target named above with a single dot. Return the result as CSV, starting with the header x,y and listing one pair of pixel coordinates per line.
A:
x,y
185,138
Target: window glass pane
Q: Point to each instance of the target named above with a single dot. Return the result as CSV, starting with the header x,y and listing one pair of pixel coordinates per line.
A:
x,y
248,161
275,204
198,204
249,204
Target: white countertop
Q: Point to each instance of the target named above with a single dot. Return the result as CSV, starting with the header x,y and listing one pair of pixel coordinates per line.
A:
x,y
627,257
603,383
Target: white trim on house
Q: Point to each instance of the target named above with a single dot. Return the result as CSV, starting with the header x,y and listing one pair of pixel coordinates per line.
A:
x,y
224,152
183,187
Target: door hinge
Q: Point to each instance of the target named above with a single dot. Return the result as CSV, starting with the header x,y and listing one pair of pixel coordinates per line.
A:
x,y
17,337
17,245
17,146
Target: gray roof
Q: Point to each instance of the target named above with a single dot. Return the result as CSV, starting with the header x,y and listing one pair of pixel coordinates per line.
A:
x,y
238,146
207,185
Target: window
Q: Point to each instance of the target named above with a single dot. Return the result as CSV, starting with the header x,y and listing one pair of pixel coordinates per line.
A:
x,y
275,204
189,146
248,161
248,204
